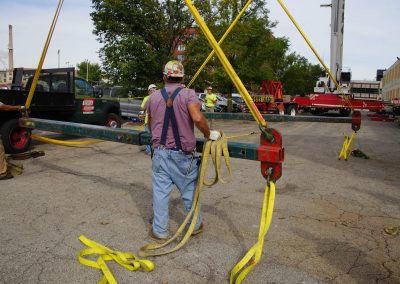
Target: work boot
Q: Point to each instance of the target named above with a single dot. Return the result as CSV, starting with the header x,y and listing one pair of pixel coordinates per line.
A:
x,y
6,175
198,231
157,239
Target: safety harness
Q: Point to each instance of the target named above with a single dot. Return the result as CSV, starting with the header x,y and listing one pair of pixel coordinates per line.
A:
x,y
170,116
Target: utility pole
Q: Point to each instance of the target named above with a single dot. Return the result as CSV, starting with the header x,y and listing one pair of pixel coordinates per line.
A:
x,y
58,53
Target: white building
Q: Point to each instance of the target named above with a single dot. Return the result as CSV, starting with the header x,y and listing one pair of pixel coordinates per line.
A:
x,y
391,82
6,77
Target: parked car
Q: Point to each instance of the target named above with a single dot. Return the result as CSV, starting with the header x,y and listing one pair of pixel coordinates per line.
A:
x,y
130,106
222,103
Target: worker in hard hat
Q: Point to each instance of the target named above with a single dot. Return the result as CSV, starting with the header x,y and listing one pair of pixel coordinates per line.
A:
x,y
173,112
210,100
151,89
4,173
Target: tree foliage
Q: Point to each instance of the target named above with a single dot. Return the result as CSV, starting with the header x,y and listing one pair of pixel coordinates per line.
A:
x,y
93,70
252,49
139,36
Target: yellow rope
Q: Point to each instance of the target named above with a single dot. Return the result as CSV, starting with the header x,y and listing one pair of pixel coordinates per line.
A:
x,y
64,143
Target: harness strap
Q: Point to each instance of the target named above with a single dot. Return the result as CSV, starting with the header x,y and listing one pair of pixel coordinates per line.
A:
x,y
170,115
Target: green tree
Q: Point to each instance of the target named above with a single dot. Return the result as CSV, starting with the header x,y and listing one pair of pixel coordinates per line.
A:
x,y
251,48
91,71
138,37
299,76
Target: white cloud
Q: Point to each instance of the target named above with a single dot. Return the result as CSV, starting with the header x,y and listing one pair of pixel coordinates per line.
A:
x,y
31,23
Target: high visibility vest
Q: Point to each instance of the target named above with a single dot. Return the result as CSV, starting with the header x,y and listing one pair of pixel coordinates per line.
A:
x,y
210,98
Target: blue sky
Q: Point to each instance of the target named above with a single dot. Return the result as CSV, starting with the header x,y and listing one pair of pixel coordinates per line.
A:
x,y
371,36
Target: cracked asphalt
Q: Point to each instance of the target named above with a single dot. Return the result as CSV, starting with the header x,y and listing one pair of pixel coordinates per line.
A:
x,y
328,223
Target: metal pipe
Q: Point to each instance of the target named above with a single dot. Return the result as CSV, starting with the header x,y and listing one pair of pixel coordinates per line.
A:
x,y
236,150
277,117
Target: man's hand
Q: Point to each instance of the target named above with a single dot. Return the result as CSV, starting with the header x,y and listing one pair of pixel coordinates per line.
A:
x,y
214,135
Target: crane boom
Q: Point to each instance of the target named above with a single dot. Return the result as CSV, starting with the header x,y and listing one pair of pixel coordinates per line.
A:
x,y
337,26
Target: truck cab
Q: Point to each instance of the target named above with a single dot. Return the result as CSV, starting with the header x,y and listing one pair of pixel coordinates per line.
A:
x,y
59,95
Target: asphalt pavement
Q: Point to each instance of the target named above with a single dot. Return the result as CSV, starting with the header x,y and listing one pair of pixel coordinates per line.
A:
x,y
328,224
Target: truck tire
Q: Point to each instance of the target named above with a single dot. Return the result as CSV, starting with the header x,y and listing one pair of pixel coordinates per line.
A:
x,y
292,110
16,139
113,120
344,111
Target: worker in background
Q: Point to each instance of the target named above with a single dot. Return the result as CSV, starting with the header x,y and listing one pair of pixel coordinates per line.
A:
x,y
151,89
4,173
172,113
210,100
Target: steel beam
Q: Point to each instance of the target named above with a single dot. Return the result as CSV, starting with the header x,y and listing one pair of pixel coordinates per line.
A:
x,y
127,136
277,117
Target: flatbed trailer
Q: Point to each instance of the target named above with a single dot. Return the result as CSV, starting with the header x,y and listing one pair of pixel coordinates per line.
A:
x,y
322,103
270,100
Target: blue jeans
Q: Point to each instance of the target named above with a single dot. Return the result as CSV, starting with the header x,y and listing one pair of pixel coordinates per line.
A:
x,y
169,168
148,147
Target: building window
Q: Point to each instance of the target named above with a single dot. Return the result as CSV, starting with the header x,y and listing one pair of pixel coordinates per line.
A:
x,y
181,47
181,57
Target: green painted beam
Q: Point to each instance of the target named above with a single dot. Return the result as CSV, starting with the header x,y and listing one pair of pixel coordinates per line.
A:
x,y
277,117
127,136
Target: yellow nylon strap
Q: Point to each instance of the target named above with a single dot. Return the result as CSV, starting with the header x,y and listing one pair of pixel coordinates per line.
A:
x,y
227,65
219,42
314,51
241,135
64,143
43,56
216,149
253,256
345,153
127,260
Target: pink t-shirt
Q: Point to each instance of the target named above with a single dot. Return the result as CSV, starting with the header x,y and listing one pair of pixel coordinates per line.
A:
x,y
156,106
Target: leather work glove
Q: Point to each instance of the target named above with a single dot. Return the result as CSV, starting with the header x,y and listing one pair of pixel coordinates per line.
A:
x,y
214,135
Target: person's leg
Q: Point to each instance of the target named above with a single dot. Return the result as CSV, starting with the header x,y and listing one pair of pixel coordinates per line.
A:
x,y
184,173
3,162
162,187
210,121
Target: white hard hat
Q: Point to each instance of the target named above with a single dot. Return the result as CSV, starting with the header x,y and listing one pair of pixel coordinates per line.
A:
x,y
151,86
209,88
174,68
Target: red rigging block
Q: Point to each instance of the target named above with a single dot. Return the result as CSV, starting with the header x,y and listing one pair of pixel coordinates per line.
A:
x,y
271,154
356,120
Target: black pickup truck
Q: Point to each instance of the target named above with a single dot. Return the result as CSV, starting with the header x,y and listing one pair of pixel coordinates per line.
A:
x,y
59,95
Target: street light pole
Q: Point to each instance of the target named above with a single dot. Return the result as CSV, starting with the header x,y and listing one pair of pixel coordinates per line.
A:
x,y
58,53
87,70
